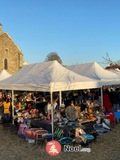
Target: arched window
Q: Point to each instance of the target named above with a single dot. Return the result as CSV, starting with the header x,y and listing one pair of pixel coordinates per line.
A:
x,y
5,64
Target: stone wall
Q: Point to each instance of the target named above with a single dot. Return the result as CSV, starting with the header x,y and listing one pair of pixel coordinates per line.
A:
x,y
10,51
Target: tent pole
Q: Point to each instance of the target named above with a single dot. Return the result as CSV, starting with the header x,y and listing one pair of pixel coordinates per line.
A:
x,y
12,106
52,112
60,98
101,96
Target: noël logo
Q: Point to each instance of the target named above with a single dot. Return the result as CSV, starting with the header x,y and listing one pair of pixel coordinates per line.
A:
x,y
53,148
68,148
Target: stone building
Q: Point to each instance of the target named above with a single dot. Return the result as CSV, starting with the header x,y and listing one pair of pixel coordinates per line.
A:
x,y
11,57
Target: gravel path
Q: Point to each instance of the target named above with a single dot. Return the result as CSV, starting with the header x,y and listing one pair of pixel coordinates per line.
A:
x,y
12,147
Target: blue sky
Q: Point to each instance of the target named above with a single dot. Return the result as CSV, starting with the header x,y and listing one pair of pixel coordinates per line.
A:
x,y
80,31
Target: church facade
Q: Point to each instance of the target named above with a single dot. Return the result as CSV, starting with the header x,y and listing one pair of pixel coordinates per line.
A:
x,y
11,57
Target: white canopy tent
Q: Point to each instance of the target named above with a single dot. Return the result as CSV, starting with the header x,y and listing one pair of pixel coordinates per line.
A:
x,y
116,71
47,77
95,71
4,74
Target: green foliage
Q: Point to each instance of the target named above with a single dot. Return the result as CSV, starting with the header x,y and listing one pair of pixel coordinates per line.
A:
x,y
53,56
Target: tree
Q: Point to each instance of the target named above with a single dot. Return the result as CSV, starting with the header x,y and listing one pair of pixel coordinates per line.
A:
x,y
112,64
108,59
53,56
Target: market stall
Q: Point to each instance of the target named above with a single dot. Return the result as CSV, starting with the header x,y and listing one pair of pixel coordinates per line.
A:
x,y
47,77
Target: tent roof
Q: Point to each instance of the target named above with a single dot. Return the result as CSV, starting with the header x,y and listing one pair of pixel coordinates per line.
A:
x,y
47,76
4,74
116,71
95,71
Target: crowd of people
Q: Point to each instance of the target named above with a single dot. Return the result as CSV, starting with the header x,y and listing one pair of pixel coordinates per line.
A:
x,y
28,101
